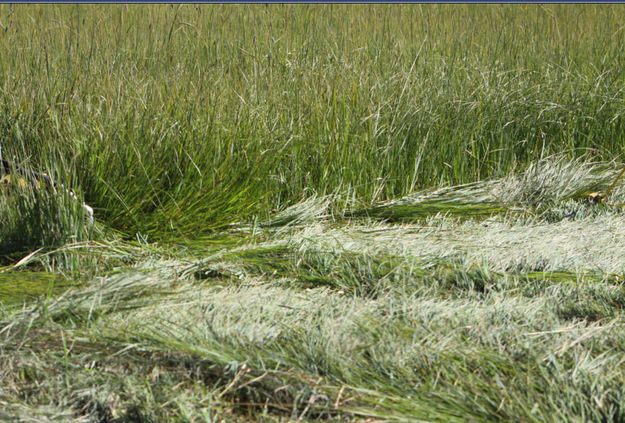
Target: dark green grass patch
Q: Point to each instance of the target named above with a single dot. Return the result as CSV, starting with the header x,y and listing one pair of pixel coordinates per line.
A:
x,y
18,287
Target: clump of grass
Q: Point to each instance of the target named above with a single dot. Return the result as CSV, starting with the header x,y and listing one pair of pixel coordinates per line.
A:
x,y
556,179
40,217
472,200
544,186
307,211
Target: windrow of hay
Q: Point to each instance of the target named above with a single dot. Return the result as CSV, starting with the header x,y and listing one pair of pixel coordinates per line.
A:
x,y
543,183
132,340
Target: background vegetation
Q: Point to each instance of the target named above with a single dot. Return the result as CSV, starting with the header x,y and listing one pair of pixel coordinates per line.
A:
x,y
180,119
339,212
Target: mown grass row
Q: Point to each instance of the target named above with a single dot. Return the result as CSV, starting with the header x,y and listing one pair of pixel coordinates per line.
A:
x,y
375,337
177,121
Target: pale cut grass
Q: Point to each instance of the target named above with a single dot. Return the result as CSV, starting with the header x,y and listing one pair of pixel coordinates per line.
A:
x,y
319,352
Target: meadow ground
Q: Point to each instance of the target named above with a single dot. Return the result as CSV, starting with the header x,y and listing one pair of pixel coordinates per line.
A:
x,y
342,213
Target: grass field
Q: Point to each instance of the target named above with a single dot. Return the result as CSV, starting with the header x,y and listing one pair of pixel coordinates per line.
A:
x,y
313,212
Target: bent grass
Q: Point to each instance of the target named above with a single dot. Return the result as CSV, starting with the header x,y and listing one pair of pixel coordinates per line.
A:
x,y
318,316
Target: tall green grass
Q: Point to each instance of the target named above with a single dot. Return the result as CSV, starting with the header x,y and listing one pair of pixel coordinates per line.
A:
x,y
179,120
